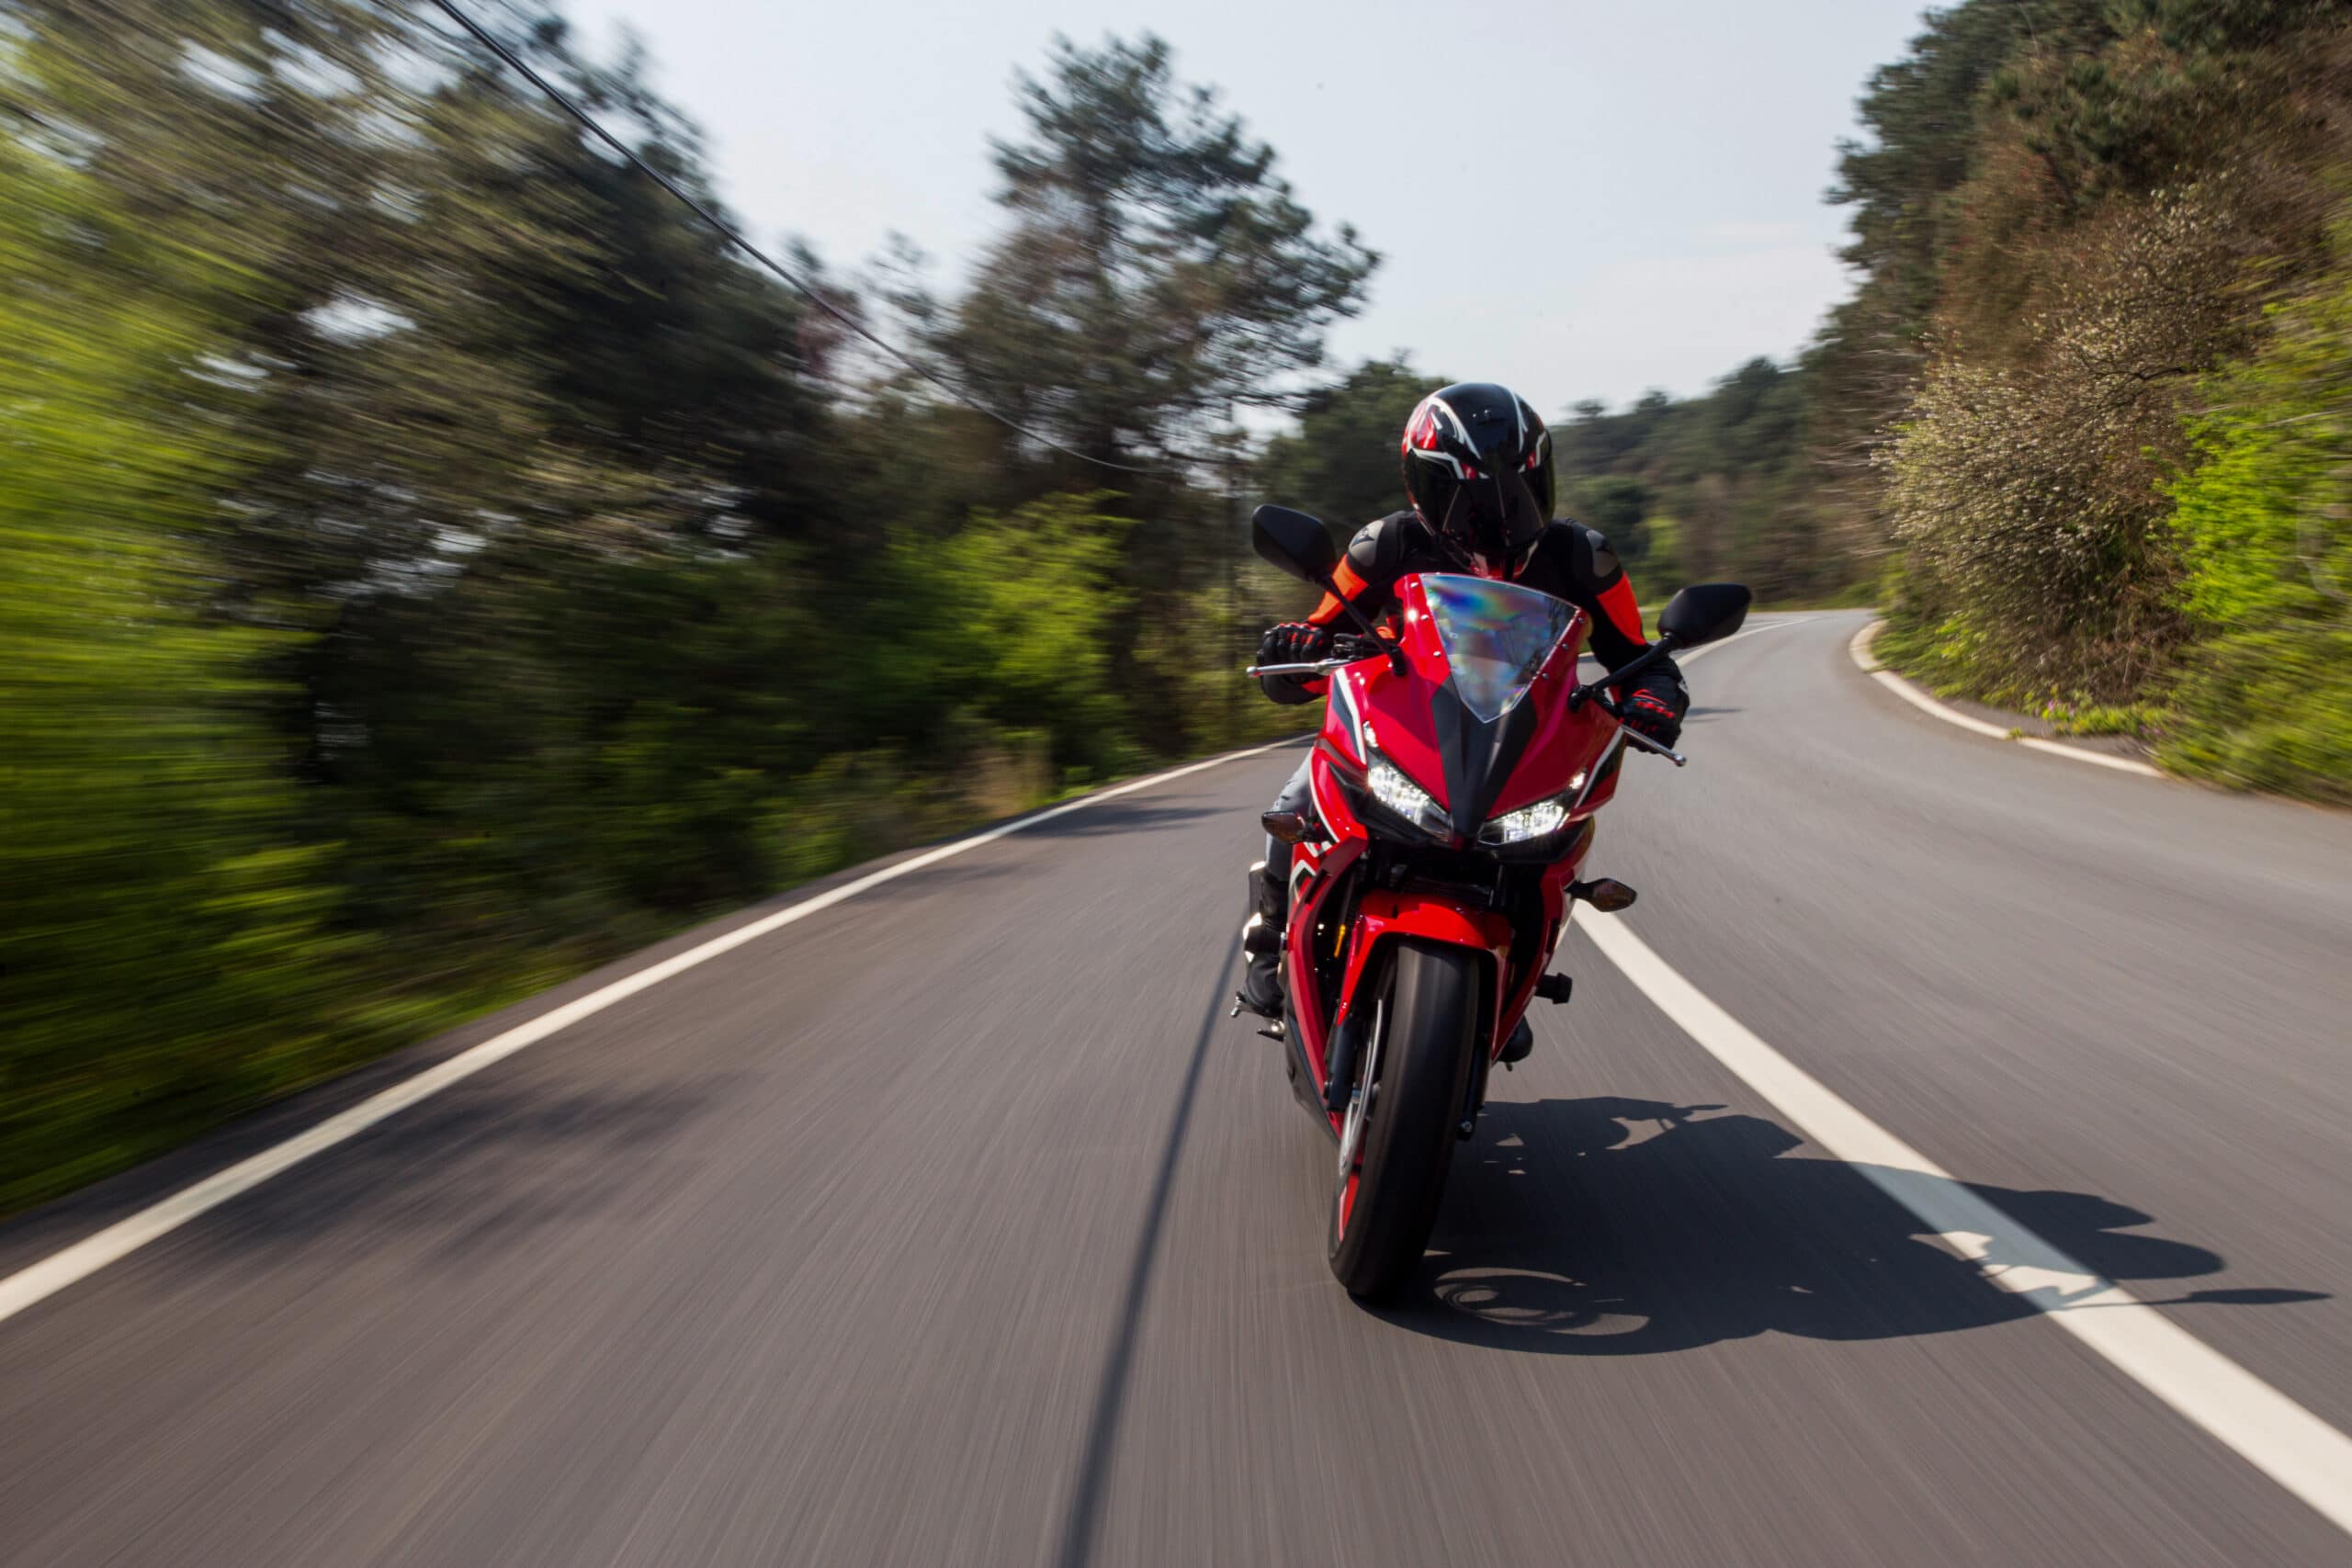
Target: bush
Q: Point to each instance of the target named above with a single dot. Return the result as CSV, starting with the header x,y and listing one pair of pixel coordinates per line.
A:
x,y
2028,491
2265,526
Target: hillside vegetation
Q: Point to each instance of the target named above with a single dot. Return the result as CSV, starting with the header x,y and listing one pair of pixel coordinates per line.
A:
x,y
2099,354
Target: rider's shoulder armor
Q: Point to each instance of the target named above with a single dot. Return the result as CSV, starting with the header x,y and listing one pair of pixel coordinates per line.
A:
x,y
1386,548
1602,560
1573,561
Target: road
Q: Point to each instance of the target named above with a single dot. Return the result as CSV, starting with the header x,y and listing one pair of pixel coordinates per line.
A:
x,y
956,1223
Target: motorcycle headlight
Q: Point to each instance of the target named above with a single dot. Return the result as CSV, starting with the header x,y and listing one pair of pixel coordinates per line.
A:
x,y
1397,794
1537,822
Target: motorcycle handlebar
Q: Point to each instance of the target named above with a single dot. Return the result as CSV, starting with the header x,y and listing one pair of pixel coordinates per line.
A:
x,y
1322,667
1590,692
1345,650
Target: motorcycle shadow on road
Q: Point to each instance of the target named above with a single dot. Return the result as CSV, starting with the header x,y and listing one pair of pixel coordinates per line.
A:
x,y
1613,1226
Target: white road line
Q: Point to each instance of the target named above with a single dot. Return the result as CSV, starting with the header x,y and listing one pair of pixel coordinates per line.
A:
x,y
52,1274
2122,765
1705,648
2277,1435
1926,704
1859,648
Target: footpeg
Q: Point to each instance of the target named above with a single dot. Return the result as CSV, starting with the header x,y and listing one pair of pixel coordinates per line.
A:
x,y
1241,1004
1555,988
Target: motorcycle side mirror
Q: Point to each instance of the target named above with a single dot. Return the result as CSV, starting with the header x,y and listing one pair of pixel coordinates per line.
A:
x,y
1295,543
1705,612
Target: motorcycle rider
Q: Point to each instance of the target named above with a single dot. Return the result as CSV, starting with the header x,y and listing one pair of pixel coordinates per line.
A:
x,y
1478,472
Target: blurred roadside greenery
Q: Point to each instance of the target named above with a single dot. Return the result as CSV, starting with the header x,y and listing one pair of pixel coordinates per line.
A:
x,y
436,563
2096,354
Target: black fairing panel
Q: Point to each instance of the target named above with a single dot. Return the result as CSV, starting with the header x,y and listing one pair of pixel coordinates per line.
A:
x,y
1478,757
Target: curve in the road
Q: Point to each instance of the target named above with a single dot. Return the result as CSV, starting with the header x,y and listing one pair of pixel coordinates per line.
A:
x,y
1867,663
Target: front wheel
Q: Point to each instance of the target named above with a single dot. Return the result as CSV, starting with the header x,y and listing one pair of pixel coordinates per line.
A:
x,y
1396,1144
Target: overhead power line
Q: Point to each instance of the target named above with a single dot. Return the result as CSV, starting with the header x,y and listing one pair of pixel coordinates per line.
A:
x,y
735,236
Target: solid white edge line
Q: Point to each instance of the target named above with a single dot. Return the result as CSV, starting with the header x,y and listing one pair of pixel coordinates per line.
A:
x,y
38,1281
1926,704
2122,765
1867,663
2269,1430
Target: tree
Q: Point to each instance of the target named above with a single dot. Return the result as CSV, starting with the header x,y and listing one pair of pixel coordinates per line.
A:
x,y
1619,507
158,894
1341,464
1158,273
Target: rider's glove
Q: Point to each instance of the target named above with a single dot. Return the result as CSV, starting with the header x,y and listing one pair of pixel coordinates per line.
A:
x,y
1654,715
1294,642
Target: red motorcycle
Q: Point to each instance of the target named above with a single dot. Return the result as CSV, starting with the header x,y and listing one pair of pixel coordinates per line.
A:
x,y
1455,780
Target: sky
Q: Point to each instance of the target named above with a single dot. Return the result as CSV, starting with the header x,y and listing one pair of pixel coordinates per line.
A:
x,y
1577,200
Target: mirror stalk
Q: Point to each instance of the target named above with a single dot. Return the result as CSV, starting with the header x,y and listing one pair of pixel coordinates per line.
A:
x,y
1397,665
1660,646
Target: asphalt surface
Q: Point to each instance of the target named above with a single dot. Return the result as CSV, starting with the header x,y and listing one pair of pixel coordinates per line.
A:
x,y
958,1224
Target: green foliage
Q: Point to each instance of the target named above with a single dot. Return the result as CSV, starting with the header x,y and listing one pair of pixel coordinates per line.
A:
x,y
1341,462
437,564
2266,699
1028,647
156,894
1158,272
1736,471
2026,494
2053,278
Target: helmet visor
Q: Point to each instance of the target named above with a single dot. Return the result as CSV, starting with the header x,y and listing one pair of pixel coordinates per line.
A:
x,y
1493,518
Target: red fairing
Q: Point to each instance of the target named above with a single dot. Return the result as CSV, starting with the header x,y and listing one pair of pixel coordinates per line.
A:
x,y
1391,712
1567,746
1372,709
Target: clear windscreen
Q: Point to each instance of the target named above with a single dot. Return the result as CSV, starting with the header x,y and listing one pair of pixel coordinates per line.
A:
x,y
1495,635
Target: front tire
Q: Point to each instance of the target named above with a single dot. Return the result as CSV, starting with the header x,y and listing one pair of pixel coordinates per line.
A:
x,y
1412,1076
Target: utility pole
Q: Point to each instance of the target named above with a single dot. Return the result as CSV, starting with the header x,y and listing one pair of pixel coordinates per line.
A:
x,y
1232,638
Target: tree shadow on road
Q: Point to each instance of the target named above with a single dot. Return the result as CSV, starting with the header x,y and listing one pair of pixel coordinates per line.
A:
x,y
1613,1226
1121,816
495,1163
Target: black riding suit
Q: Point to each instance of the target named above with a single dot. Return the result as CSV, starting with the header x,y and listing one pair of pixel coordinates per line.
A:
x,y
1569,561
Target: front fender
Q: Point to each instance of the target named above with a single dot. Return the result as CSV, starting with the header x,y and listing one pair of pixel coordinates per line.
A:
x,y
1383,918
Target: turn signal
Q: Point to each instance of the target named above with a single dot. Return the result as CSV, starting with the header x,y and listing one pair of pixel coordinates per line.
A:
x,y
1605,893
1291,827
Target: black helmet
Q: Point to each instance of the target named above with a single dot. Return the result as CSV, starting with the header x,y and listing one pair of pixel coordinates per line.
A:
x,y
1479,469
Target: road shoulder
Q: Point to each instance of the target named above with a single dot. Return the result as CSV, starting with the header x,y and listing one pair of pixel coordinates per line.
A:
x,y
1994,724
